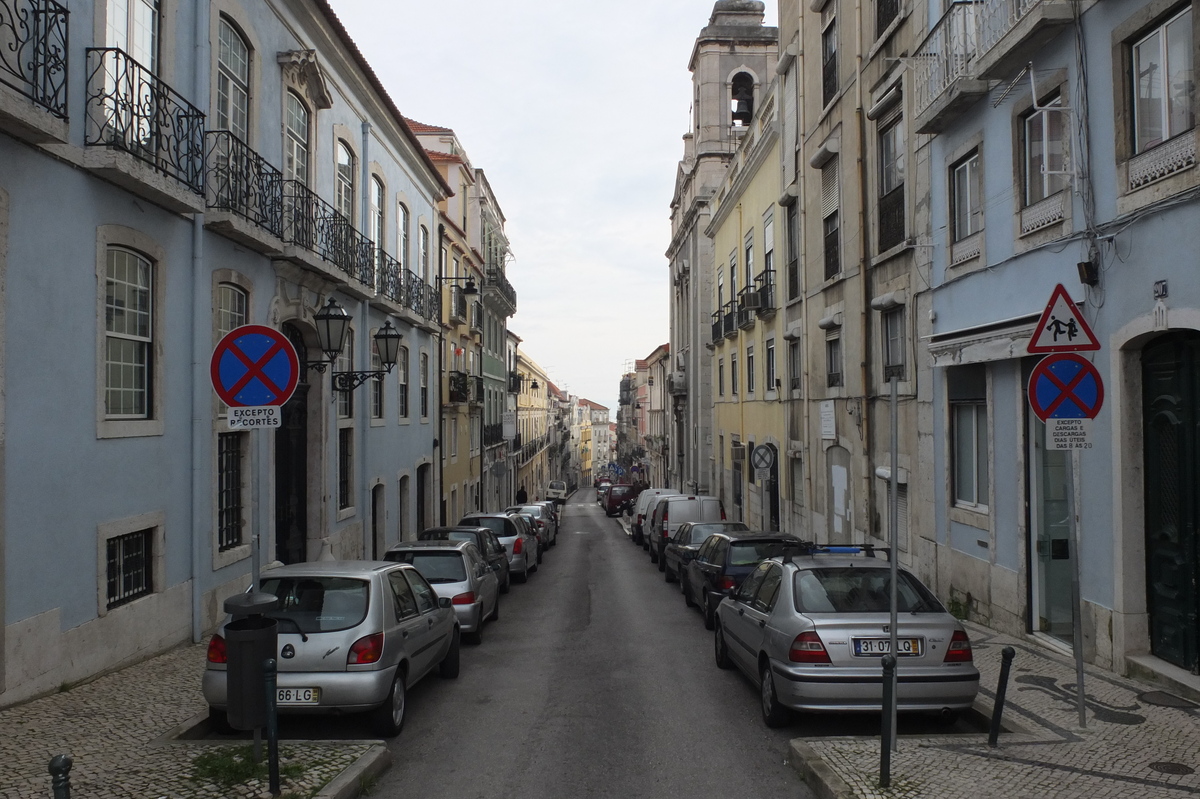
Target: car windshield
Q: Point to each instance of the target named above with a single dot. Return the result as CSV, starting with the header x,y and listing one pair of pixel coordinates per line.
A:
x,y
318,604
748,553
436,567
703,531
859,590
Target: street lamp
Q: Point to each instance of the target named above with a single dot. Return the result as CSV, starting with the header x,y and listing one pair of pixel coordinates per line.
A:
x,y
332,325
467,288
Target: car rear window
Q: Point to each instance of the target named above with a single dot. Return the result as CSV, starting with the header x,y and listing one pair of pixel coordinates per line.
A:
x,y
859,590
557,485
703,531
317,604
748,553
436,567
496,525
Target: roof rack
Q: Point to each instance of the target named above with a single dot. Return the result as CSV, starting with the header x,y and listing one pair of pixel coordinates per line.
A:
x,y
809,548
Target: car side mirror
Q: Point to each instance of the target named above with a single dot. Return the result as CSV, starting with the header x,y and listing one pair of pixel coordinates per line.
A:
x,y
444,602
495,567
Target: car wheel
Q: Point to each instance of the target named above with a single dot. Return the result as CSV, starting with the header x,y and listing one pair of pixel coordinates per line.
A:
x,y
540,553
709,620
218,721
523,576
720,651
475,638
449,665
653,553
507,582
687,596
773,713
389,717
662,563
670,578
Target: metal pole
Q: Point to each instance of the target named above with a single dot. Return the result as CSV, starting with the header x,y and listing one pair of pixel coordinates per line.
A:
x,y
1076,594
1006,658
60,776
886,743
894,543
272,727
256,462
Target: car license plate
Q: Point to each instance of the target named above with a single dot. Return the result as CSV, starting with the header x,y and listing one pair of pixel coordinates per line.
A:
x,y
298,696
875,647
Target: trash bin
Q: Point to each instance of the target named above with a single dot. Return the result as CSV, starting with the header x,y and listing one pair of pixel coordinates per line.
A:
x,y
250,639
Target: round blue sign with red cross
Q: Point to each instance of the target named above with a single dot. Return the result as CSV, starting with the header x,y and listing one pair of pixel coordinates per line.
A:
x,y
254,365
1065,386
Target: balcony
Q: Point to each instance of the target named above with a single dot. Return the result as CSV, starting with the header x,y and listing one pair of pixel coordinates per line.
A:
x,y
33,66
514,383
458,306
141,134
1012,31
477,394
718,332
493,434
764,283
477,316
729,319
244,194
390,277
312,225
746,306
944,86
496,283
458,390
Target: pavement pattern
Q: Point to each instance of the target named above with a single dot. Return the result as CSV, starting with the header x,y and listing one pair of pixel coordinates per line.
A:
x,y
117,730
1134,745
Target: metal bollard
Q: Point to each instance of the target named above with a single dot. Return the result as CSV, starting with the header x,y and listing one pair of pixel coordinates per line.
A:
x,y
272,727
60,776
885,749
1006,658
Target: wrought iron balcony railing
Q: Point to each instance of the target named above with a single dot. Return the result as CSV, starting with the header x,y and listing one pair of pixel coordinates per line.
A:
x,y
390,275
945,54
458,305
129,108
729,319
33,51
493,434
477,393
477,316
764,282
240,181
891,218
746,306
414,293
718,332
458,391
514,383
315,225
494,279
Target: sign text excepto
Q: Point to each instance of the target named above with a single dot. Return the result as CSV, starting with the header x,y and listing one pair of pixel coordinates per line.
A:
x,y
1069,434
252,417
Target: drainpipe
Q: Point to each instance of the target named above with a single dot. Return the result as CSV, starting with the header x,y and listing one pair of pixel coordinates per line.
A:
x,y
866,433
362,423
201,327
440,451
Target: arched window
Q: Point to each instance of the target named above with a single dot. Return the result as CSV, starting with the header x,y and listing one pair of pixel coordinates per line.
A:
x,y
233,82
742,98
295,140
344,197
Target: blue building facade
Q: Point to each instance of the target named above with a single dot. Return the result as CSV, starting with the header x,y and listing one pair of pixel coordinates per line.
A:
x,y
170,170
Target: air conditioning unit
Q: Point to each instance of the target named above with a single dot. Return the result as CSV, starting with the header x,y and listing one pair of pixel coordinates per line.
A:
x,y
680,363
737,451
751,300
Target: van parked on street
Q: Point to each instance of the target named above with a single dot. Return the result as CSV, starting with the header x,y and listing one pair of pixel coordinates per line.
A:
x,y
644,502
672,511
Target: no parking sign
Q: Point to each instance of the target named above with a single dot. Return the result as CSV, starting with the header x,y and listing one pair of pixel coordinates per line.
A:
x,y
254,370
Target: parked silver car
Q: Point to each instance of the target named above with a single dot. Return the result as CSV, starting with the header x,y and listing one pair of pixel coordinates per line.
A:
x,y
811,628
545,518
456,569
353,637
515,537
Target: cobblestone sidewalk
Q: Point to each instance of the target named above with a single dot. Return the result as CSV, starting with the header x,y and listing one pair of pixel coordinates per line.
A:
x,y
1135,745
114,727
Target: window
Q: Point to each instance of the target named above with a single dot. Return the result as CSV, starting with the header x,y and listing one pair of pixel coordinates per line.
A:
x,y
833,360
376,211
402,379
966,197
720,377
749,370
230,520
794,365
793,244
749,250
829,71
129,343
424,377
741,100
295,140
128,566
1044,157
769,245
770,365
402,236
133,27
345,468
797,468
423,253
733,374
232,302
967,393
885,12
893,343
345,363
829,217
376,382
891,182
1163,91
344,186
233,82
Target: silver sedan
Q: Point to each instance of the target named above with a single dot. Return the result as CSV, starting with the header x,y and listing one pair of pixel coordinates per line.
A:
x,y
457,570
811,631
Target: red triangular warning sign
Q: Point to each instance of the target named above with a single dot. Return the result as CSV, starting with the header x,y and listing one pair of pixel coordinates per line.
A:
x,y
1062,328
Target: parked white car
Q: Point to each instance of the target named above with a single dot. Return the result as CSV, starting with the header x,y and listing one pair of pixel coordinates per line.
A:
x,y
641,508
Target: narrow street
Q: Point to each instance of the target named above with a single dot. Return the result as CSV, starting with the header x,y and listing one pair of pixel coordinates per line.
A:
x,y
596,681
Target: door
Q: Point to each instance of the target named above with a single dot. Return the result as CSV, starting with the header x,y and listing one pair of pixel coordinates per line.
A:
x,y
291,465
1170,397
1049,536
743,633
378,523
423,495
427,640
838,500
771,499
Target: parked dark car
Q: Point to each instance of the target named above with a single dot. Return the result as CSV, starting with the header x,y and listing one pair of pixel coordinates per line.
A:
x,y
483,538
618,499
723,561
687,541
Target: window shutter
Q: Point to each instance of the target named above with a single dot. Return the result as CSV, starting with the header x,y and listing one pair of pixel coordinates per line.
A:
x,y
829,188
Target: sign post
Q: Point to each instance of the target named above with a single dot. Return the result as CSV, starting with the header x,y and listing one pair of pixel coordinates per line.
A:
x,y
254,370
1066,393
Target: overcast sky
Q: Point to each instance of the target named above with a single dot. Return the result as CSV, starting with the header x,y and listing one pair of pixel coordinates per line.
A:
x,y
575,110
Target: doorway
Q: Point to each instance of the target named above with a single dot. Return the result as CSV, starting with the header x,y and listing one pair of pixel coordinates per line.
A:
x,y
291,464
838,501
1049,537
378,523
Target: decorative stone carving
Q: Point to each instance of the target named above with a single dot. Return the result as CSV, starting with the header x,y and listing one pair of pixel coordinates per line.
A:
x,y
301,68
967,248
1164,160
1042,214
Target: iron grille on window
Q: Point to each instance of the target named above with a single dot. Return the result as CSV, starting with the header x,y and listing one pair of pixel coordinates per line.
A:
x,y
891,218
240,181
829,81
729,322
764,282
885,12
129,108
345,456
229,490
833,379
128,567
33,51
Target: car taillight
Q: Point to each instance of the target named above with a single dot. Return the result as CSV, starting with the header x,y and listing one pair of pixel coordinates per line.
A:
x,y
722,514
727,583
464,599
367,649
959,650
216,650
518,547
807,648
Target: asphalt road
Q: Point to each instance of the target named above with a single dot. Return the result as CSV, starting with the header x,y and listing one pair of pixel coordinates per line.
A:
x,y
596,681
